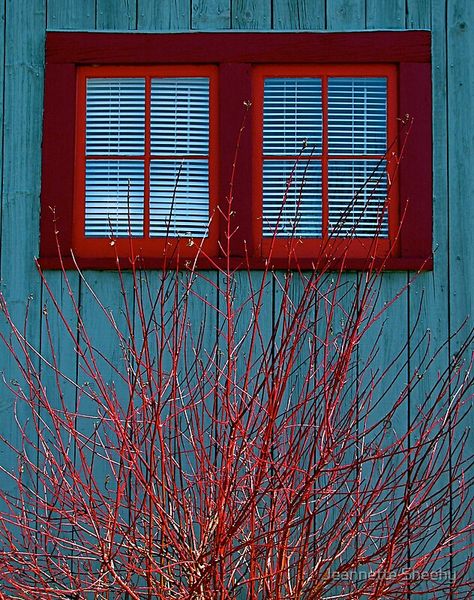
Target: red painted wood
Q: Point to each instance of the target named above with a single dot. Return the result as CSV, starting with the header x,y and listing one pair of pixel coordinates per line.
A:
x,y
235,145
350,264
416,195
226,47
58,158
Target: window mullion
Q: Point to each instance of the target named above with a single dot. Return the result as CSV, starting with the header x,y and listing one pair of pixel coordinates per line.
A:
x,y
235,156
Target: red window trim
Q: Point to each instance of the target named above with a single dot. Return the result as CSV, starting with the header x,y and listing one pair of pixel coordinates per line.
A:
x,y
235,54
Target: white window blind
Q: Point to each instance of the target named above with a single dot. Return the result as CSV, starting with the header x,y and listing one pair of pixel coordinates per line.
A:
x,y
292,116
292,125
172,185
292,200
114,198
179,186
357,125
173,146
357,191
115,116
355,182
115,126
357,115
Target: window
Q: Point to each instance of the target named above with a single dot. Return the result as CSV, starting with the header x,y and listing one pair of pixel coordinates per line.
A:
x,y
327,146
143,165
143,129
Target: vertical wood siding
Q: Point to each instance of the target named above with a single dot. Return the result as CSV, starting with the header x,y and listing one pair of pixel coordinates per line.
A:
x,y
23,52
437,301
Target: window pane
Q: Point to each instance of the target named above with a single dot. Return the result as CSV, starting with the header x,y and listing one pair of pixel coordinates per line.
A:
x,y
179,198
180,116
292,116
357,115
115,116
114,198
357,191
297,210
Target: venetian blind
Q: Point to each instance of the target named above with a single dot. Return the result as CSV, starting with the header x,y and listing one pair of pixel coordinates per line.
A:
x,y
164,160
295,147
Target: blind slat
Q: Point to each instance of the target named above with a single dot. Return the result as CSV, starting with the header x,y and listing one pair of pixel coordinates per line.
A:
x,y
180,116
292,115
115,106
114,198
357,193
179,198
296,211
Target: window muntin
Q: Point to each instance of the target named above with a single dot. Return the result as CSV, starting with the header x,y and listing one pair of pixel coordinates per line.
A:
x,y
336,150
144,166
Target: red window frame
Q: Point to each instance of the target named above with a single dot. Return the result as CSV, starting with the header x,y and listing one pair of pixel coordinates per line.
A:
x,y
145,246
236,57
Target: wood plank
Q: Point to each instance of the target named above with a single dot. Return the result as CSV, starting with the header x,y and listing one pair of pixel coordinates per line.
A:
x,y
210,14
418,14
428,300
103,369
393,347
342,15
383,363
460,105
163,15
460,77
345,15
299,14
70,14
116,14
373,355
56,342
248,14
337,391
385,15
58,346
21,182
296,47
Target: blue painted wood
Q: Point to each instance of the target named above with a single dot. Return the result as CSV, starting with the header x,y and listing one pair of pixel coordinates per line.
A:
x,y
116,14
248,14
21,184
418,14
393,327
428,298
71,14
460,78
163,15
210,14
57,343
385,15
345,15
299,14
460,94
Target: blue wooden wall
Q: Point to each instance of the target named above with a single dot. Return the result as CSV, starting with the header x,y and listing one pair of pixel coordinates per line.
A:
x,y
446,292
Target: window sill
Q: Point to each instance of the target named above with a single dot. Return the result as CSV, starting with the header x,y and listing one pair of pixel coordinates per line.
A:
x,y
237,263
